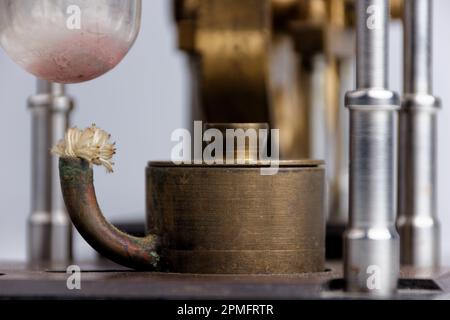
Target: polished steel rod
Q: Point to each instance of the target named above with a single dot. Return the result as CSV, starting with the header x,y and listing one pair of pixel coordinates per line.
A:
x,y
371,242
417,222
417,46
49,228
373,36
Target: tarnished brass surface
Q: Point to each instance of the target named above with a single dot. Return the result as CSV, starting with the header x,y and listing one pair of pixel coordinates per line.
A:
x,y
231,219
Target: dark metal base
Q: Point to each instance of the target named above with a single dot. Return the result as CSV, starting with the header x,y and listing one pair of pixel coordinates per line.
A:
x,y
108,281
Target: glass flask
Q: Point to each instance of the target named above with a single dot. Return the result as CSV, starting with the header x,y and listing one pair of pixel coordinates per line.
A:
x,y
68,41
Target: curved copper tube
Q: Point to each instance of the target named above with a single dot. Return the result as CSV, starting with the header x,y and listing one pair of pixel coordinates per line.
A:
x,y
81,202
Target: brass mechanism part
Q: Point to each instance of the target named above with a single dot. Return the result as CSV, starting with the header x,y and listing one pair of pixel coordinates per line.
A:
x,y
397,7
230,39
251,149
231,219
253,65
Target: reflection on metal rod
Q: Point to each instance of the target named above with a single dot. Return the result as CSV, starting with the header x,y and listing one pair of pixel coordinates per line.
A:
x,y
417,222
371,241
49,229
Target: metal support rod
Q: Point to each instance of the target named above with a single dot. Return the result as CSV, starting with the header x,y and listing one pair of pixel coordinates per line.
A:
x,y
49,228
371,242
417,46
372,43
417,221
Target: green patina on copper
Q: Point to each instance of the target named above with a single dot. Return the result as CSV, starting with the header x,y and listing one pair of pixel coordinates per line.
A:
x,y
79,196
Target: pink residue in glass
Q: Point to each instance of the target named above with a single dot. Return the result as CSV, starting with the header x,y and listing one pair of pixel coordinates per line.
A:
x,y
77,59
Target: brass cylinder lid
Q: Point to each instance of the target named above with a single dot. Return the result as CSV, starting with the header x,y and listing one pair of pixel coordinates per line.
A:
x,y
282,164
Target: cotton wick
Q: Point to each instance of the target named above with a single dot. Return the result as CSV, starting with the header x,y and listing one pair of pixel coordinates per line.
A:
x,y
91,144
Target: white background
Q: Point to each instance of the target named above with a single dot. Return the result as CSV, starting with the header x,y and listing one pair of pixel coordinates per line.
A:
x,y
141,102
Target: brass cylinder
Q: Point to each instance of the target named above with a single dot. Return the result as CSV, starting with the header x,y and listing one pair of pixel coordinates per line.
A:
x,y
230,219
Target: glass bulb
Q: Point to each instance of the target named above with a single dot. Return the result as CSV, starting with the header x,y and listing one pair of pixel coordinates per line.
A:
x,y
68,41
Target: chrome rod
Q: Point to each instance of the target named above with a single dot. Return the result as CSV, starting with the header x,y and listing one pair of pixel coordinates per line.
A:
x,y
49,229
417,222
372,41
371,242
